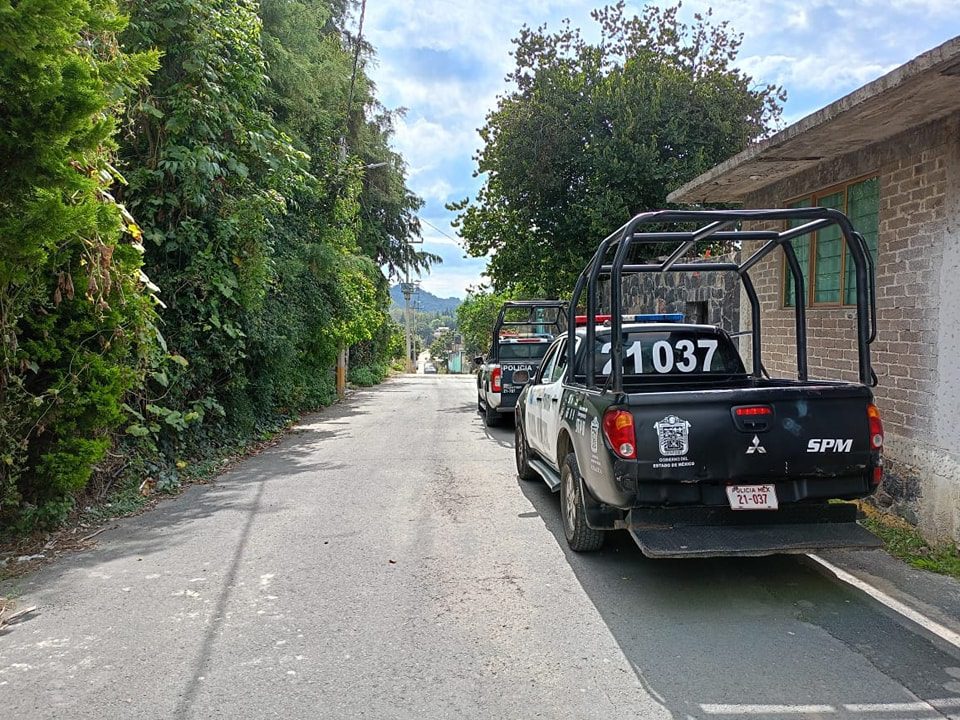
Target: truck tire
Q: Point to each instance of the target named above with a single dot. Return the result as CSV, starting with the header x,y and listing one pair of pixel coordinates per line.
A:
x,y
580,536
491,418
521,452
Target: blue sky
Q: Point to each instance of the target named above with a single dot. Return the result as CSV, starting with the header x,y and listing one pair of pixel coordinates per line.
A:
x,y
445,60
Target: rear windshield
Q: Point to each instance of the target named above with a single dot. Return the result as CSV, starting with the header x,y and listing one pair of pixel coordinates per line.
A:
x,y
523,351
681,352
533,316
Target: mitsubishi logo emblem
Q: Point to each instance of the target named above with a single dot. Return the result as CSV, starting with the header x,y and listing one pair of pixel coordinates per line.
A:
x,y
756,447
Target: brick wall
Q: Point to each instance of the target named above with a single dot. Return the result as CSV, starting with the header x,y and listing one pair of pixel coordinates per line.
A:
x,y
918,172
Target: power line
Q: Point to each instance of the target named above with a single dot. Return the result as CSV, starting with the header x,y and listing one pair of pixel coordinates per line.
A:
x,y
427,222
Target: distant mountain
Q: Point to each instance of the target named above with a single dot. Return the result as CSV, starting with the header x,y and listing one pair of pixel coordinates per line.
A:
x,y
426,301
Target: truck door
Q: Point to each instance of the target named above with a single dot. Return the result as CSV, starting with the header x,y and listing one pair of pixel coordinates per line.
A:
x,y
552,392
535,407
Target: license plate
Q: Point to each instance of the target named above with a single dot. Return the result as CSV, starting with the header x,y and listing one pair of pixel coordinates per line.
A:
x,y
752,497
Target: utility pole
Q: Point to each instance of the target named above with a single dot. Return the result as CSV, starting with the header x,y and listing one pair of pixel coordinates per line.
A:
x,y
407,289
343,355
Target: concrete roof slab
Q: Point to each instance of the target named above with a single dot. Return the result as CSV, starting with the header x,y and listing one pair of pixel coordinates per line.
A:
x,y
922,90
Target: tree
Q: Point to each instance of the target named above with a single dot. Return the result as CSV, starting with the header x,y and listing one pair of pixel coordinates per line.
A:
x,y
74,313
252,164
353,215
440,349
477,315
596,132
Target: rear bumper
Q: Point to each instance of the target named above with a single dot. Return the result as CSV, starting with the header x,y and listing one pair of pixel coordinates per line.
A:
x,y
633,492
504,402
788,491
716,532
703,542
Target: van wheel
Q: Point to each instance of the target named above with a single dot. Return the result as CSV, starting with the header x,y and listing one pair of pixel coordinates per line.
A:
x,y
521,451
580,536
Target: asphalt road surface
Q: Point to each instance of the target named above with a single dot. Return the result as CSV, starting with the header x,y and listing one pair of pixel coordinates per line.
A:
x,y
384,561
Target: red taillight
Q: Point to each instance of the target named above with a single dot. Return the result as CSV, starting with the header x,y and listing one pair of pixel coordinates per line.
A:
x,y
876,441
495,384
618,429
753,411
876,427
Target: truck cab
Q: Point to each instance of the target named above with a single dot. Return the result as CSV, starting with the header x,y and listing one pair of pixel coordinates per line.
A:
x,y
521,336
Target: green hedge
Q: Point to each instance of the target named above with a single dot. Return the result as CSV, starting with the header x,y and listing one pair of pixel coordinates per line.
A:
x,y
184,245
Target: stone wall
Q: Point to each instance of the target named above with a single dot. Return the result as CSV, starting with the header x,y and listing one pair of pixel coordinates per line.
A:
x,y
712,298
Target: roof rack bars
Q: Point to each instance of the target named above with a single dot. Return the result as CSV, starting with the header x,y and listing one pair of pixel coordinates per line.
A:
x,y
721,225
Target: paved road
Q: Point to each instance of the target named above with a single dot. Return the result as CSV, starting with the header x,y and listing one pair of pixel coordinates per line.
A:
x,y
385,562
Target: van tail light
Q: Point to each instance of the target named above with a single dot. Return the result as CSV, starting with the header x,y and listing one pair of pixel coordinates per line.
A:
x,y
495,382
618,429
876,441
876,427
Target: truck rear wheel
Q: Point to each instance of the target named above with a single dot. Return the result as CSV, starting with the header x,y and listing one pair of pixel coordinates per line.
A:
x,y
521,451
491,417
580,536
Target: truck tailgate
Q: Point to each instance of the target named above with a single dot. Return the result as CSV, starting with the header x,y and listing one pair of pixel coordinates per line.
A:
x,y
747,435
517,373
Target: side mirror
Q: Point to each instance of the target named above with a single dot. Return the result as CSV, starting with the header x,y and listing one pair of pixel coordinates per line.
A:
x,y
478,360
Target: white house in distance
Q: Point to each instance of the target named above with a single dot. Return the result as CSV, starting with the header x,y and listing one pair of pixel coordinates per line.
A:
x,y
888,155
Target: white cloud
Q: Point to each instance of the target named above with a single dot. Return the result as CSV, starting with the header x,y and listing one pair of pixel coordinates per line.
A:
x,y
425,143
450,283
829,72
445,60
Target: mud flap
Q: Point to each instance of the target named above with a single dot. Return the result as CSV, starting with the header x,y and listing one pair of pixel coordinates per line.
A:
x,y
693,541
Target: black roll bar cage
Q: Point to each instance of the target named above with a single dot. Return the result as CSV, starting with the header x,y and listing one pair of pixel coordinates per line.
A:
x,y
533,305
720,225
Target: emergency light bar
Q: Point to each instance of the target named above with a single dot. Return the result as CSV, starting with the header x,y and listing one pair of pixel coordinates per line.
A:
x,y
581,320
654,318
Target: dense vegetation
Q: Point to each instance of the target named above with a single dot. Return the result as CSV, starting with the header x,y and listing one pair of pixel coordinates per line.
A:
x,y
196,199
477,315
594,132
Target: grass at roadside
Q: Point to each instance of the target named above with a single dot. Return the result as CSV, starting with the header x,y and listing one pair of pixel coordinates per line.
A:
x,y
904,541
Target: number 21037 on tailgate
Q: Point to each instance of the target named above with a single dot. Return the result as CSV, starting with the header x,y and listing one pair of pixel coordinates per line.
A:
x,y
752,497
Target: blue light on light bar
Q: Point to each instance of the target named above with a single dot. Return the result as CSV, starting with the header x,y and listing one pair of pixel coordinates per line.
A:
x,y
655,317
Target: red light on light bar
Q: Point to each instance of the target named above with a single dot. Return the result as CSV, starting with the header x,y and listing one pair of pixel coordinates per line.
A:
x,y
753,411
582,319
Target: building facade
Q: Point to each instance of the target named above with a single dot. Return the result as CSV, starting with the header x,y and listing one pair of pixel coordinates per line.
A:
x,y
889,156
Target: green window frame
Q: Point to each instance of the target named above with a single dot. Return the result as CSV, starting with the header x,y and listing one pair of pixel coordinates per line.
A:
x,y
828,270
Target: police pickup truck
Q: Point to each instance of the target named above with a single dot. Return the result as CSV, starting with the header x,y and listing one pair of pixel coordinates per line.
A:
x,y
521,335
656,426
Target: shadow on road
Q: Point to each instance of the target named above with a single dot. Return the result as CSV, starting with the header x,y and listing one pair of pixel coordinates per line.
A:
x,y
464,409
238,489
713,637
501,435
